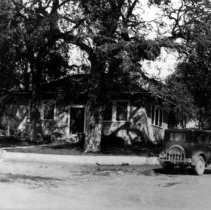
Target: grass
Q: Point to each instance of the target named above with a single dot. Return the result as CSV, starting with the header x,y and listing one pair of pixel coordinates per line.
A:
x,y
109,146
52,148
75,149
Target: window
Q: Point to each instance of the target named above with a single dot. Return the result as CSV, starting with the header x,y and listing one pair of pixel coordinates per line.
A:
x,y
177,137
121,110
34,111
116,111
161,118
153,114
156,116
202,138
48,111
107,114
29,112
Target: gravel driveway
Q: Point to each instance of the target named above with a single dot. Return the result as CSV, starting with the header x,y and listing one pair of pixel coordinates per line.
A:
x,y
30,184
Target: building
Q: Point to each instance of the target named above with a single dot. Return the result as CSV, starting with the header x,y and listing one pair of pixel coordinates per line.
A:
x,y
131,115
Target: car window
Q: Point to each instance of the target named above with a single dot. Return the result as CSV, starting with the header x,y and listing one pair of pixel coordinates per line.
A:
x,y
202,138
177,137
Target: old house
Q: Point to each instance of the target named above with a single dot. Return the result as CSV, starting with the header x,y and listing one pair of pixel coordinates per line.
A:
x,y
131,115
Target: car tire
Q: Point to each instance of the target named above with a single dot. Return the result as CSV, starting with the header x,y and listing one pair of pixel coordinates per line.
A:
x,y
199,167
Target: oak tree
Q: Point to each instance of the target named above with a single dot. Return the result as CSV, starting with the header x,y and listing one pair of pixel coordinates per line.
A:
x,y
112,34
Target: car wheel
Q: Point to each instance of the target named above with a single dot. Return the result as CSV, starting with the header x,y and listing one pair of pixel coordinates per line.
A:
x,y
199,168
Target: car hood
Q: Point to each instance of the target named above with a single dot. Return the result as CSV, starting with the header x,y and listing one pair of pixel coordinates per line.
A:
x,y
188,147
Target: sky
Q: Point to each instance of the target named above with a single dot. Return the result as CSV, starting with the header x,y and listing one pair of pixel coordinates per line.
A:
x,y
162,66
165,64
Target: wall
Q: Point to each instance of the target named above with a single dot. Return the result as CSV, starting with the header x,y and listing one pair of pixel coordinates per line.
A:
x,y
59,124
138,127
15,118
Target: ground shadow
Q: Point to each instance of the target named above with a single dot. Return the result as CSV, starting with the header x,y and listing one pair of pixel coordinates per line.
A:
x,y
178,171
116,145
17,177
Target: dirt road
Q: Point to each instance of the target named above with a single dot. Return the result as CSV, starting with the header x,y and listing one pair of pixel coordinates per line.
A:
x,y
53,185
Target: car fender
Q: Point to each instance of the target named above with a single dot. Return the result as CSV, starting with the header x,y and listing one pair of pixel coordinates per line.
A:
x,y
195,156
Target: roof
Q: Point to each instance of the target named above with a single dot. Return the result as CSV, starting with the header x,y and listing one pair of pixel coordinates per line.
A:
x,y
77,86
82,80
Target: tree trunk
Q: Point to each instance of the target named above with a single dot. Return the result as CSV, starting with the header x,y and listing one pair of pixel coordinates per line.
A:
x,y
35,122
94,109
93,130
8,129
36,75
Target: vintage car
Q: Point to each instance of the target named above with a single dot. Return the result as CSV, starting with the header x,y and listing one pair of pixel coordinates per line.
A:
x,y
186,148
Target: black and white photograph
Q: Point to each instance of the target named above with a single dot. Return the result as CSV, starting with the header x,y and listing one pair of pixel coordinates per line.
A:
x,y
105,104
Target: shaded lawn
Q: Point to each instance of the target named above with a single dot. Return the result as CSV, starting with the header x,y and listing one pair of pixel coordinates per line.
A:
x,y
9,141
109,146
77,149
52,148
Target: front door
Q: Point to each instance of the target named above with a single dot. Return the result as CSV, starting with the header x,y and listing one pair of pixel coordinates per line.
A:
x,y
77,117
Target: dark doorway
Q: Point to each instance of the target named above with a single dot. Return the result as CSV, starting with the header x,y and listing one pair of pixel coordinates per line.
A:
x,y
77,119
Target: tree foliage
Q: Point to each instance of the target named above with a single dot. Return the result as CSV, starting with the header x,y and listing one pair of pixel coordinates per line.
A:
x,y
112,34
192,77
196,70
8,76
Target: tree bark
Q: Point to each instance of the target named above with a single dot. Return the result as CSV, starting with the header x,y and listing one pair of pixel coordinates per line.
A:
x,y
94,106
35,125
93,130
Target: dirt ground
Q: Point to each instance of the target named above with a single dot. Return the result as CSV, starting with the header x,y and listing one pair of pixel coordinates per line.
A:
x,y
43,185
